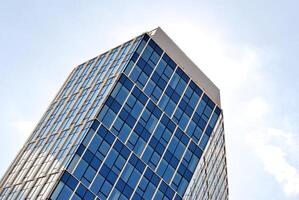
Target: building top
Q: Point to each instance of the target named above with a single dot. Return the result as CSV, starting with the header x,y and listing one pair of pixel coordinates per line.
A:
x,y
167,44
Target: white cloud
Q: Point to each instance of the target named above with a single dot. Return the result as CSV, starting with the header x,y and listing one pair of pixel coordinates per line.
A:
x,y
24,128
256,109
227,64
271,147
236,69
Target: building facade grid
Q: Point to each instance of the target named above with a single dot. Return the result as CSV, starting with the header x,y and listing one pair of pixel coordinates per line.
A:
x,y
128,124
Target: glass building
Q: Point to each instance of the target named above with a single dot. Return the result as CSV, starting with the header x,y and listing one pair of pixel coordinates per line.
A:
x,y
140,121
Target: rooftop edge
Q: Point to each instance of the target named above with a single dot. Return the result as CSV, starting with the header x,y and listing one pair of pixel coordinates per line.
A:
x,y
170,47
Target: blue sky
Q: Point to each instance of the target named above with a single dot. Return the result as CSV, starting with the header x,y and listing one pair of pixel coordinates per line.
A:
x,y
249,49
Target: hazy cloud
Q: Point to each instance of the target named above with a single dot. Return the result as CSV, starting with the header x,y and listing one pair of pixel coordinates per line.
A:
x,y
236,69
271,147
24,128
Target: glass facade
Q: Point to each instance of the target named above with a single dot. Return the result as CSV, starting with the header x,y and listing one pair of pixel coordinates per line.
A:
x,y
128,124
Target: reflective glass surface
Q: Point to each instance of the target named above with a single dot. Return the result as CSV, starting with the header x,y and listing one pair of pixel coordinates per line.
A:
x,y
159,123
128,124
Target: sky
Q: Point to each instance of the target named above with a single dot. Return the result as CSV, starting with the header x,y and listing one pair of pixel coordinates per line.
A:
x,y
249,49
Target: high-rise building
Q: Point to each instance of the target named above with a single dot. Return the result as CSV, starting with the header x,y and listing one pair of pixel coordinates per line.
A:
x,y
140,121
